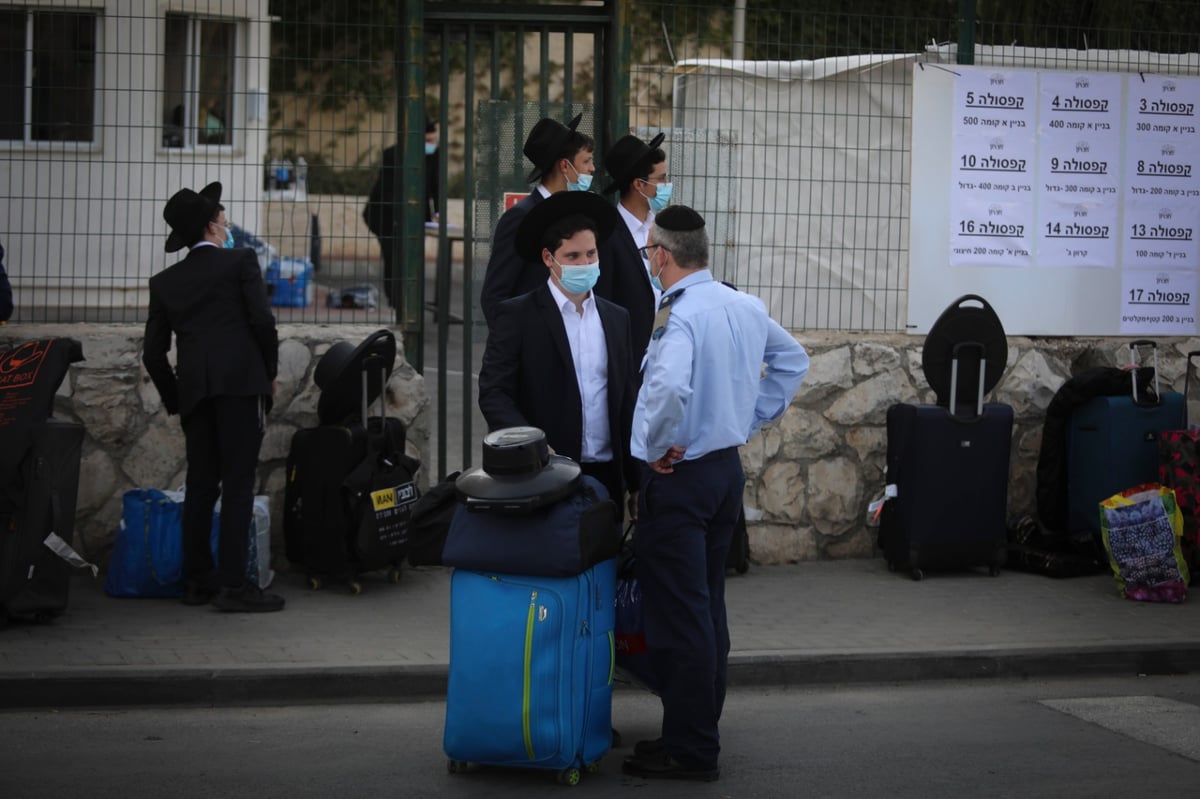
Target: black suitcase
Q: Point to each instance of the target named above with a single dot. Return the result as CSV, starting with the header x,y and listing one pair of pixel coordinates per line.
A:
x,y
328,510
34,578
350,487
950,473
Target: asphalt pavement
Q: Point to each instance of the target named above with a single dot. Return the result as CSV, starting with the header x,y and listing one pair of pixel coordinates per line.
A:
x,y
842,621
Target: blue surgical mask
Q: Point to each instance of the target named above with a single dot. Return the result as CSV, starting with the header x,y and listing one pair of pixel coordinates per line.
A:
x,y
228,243
583,182
661,198
656,280
579,279
430,148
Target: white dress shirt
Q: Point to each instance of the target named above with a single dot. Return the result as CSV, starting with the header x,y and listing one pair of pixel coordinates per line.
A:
x,y
585,334
640,231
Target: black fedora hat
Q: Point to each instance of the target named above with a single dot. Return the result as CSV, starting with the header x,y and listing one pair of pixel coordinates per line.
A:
x,y
625,158
545,142
559,206
187,212
339,375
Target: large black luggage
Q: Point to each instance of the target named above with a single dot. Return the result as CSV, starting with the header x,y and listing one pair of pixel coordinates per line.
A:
x,y
39,480
951,478
947,464
350,486
34,576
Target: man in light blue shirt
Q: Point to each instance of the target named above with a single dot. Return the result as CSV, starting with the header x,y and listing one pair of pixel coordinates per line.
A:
x,y
717,369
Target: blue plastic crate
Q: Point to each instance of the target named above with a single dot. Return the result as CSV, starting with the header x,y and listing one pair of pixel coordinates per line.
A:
x,y
289,282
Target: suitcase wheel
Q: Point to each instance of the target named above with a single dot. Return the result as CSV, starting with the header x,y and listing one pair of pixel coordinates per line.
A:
x,y
457,766
569,776
355,587
315,583
917,574
393,575
994,570
592,768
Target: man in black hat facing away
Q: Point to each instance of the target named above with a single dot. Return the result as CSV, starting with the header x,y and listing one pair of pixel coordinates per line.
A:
x,y
563,159
558,357
227,355
639,173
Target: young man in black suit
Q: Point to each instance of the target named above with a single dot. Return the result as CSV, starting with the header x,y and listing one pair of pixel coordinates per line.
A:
x,y
227,355
563,160
559,357
639,173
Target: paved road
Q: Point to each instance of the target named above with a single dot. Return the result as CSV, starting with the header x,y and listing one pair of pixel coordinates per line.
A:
x,y
919,741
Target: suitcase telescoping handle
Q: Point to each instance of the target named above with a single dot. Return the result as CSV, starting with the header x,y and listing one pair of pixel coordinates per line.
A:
x,y
1133,366
959,347
385,375
1188,377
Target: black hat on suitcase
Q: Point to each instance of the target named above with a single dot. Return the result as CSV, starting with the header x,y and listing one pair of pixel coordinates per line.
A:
x,y
970,328
518,473
339,375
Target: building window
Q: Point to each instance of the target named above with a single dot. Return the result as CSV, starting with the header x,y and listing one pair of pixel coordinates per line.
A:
x,y
48,76
198,81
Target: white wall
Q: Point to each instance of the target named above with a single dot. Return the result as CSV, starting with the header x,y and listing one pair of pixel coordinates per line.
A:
x,y
81,224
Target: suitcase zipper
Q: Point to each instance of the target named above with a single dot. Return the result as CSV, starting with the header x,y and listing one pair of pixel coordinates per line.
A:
x,y
612,656
525,700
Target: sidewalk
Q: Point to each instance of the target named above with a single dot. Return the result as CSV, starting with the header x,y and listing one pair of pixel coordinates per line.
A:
x,y
821,622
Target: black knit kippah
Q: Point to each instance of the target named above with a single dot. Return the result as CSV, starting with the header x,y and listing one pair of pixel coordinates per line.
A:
x,y
680,218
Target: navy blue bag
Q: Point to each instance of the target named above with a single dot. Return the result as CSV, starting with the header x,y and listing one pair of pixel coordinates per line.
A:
x,y
558,540
147,556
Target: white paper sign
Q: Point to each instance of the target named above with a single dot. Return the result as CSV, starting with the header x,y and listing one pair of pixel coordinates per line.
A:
x,y
1162,173
1158,303
993,168
1079,156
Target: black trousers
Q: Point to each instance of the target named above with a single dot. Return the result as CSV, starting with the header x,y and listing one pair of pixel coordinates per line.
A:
x,y
684,528
223,437
391,276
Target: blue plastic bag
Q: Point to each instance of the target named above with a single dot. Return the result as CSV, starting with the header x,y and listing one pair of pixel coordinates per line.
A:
x,y
147,557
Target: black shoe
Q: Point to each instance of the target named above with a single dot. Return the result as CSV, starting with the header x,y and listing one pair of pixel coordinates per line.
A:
x,y
249,598
663,766
648,748
196,594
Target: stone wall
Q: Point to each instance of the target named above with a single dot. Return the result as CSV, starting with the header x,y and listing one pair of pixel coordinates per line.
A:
x,y
132,442
809,477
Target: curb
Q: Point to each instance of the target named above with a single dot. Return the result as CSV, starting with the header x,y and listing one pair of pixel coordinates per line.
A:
x,y
319,685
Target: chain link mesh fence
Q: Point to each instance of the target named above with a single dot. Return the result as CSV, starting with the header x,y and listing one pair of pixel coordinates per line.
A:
x,y
787,124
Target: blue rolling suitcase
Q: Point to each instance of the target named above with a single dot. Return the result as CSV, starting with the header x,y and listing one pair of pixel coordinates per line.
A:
x,y
531,670
534,544
949,475
1112,444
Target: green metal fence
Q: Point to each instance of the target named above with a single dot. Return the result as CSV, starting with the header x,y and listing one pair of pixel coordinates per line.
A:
x,y
789,126
786,123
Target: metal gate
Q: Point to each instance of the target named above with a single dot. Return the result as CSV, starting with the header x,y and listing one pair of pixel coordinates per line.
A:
x,y
485,74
